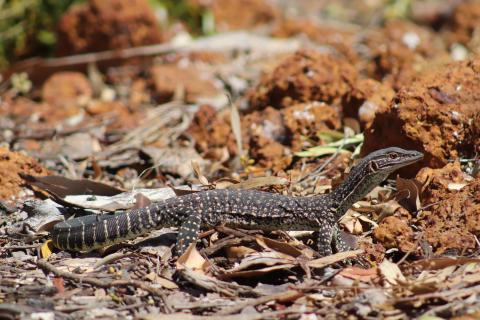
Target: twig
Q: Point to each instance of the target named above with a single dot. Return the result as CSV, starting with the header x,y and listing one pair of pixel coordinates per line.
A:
x,y
288,295
228,289
110,258
104,284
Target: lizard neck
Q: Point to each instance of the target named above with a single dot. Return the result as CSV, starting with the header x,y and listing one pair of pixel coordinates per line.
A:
x,y
355,187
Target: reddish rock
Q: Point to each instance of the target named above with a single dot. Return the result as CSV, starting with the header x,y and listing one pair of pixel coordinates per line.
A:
x,y
463,22
64,89
38,116
438,184
453,221
11,164
401,50
168,79
367,97
304,76
337,36
437,114
212,133
118,114
107,24
304,121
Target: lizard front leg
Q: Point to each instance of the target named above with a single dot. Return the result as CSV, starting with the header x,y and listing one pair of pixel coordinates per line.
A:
x,y
188,232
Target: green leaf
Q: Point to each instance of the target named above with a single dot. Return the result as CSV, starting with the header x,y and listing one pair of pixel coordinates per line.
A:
x,y
318,151
332,147
47,37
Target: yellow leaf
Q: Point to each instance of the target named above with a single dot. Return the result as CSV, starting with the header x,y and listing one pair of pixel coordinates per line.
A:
x,y
46,249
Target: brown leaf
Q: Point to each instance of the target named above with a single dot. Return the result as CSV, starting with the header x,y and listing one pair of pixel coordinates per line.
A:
x,y
238,252
198,173
408,193
391,272
363,275
443,262
141,201
328,260
278,246
192,259
59,284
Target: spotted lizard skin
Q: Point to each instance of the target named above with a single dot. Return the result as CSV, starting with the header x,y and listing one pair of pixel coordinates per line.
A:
x,y
246,209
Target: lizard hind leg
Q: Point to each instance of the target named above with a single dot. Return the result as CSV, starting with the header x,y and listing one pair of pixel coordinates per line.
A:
x,y
324,241
188,232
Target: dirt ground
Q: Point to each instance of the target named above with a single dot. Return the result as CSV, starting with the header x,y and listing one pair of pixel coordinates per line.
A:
x,y
283,97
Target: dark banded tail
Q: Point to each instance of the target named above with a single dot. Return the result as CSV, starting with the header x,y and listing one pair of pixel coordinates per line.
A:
x,y
95,231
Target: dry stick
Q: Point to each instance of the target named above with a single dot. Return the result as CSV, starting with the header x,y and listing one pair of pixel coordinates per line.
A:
x,y
104,284
285,296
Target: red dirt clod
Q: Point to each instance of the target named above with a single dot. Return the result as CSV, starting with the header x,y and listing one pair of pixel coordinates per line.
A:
x,y
107,24
395,233
169,78
11,164
304,76
64,89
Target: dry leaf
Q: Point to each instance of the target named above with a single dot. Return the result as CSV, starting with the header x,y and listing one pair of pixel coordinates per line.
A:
x,y
198,173
391,272
409,193
351,222
334,258
278,246
238,252
192,259
59,284
46,249
443,262
167,284
363,275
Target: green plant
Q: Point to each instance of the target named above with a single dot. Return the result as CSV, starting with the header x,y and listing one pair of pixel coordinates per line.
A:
x,y
27,27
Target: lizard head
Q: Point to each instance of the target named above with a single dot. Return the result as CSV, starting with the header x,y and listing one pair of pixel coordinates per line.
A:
x,y
390,159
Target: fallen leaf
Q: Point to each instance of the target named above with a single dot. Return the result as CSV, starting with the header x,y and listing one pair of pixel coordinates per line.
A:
x,y
409,193
59,284
363,275
391,272
334,258
278,246
443,262
198,173
167,284
192,259
238,252
46,249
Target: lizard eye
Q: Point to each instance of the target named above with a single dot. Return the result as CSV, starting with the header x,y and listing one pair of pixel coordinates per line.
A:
x,y
393,156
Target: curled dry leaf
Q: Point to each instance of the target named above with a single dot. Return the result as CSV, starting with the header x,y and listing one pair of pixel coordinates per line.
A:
x,y
192,259
350,221
278,246
198,173
359,274
409,193
391,272
238,252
